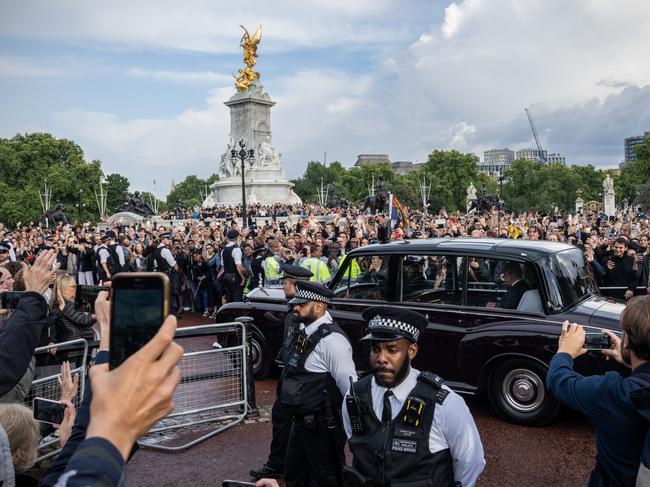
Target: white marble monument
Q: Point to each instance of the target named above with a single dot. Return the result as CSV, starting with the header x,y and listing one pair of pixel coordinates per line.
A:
x,y
609,202
471,195
250,122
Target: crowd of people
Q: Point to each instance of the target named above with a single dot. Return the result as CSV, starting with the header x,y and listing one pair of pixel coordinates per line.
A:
x,y
212,260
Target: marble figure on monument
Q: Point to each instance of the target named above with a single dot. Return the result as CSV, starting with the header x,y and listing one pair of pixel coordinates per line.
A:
x,y
609,202
471,195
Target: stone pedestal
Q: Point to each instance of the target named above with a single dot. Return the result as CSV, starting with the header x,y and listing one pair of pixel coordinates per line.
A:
x,y
579,204
266,183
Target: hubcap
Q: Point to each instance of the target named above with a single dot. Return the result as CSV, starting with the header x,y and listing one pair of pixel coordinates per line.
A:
x,y
523,390
256,354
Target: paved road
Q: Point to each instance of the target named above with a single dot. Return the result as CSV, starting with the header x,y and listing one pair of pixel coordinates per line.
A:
x,y
558,455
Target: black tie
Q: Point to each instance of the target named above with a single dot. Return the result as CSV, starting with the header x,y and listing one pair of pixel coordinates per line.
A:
x,y
387,413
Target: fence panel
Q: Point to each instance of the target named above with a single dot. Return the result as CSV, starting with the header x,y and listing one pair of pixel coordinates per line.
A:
x,y
212,389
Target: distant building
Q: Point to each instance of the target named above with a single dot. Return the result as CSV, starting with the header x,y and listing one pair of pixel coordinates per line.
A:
x,y
496,161
363,159
543,156
532,155
630,146
554,158
405,167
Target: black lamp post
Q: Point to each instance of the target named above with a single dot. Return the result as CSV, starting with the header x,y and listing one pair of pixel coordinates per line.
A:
x,y
243,155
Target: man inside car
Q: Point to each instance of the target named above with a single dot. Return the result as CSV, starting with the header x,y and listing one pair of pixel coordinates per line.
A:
x,y
513,278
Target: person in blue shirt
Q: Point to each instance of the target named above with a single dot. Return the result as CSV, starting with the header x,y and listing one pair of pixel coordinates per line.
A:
x,y
605,399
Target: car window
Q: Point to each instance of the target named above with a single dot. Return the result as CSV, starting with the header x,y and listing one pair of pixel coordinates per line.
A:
x,y
569,278
430,279
364,278
501,283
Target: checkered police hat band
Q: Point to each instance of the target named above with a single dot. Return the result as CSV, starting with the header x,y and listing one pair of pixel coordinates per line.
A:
x,y
311,296
297,278
400,326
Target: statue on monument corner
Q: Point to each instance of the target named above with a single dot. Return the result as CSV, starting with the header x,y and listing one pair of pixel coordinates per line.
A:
x,y
268,155
57,214
247,75
608,183
134,204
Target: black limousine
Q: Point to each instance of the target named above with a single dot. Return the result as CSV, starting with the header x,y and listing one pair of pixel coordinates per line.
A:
x,y
479,338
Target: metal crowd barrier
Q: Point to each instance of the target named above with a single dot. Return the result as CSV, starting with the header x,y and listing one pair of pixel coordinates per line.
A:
x,y
213,388
48,386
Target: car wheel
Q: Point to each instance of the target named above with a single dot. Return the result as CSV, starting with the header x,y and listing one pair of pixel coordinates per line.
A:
x,y
517,391
260,353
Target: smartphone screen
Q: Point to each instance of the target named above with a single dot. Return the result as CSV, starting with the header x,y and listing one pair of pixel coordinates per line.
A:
x,y
140,303
48,411
9,299
597,341
86,296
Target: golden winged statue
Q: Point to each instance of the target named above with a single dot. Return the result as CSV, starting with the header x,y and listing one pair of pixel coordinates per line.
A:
x,y
247,75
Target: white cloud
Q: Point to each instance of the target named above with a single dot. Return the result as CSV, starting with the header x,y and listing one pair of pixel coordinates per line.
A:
x,y
19,67
180,76
205,25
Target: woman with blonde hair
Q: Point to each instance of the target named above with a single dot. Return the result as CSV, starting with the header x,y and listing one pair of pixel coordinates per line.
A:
x,y
69,323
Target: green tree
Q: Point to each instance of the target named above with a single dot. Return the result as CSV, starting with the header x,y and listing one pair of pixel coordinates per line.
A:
x,y
190,192
309,185
28,161
634,174
451,173
116,185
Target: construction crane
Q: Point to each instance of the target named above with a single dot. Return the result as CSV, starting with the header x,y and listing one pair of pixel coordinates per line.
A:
x,y
540,152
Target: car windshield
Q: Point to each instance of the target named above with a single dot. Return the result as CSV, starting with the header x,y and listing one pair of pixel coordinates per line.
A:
x,y
569,278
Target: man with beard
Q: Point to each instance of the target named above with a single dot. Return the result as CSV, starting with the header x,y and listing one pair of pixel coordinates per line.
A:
x,y
405,426
317,373
605,399
280,416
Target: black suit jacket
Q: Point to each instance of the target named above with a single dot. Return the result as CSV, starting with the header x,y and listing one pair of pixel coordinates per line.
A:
x,y
513,295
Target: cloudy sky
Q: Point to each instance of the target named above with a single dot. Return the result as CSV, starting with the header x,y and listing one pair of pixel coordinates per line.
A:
x,y
141,84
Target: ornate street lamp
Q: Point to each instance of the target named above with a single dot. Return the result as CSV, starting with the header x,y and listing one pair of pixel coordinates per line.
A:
x,y
243,156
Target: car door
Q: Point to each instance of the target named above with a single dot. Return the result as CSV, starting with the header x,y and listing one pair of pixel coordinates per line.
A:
x,y
432,284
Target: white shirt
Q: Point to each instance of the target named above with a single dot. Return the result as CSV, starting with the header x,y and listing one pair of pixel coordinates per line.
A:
x,y
103,254
452,427
166,254
332,354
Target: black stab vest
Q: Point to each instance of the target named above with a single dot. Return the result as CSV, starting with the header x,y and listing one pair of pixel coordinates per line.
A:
x,y
160,263
228,261
301,391
398,455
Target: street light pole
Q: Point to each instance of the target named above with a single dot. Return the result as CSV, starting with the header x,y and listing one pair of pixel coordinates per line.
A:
x,y
243,155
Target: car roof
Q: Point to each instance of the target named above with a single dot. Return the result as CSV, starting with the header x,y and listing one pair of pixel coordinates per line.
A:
x,y
533,249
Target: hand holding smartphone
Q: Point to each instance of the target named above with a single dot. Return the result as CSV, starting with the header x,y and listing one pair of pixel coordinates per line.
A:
x,y
48,411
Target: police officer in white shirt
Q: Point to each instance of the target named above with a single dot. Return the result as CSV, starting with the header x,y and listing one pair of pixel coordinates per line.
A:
x,y
405,426
315,377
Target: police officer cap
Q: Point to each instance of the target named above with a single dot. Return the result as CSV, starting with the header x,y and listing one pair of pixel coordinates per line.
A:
x,y
108,235
311,291
165,235
232,234
386,323
295,272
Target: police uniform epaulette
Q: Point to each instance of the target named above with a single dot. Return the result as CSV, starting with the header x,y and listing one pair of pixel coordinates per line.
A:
x,y
436,382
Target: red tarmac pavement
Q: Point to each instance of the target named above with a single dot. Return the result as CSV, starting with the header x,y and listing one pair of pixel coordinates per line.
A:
x,y
559,455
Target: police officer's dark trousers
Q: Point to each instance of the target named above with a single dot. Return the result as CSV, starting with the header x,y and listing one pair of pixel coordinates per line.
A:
x,y
281,419
315,457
